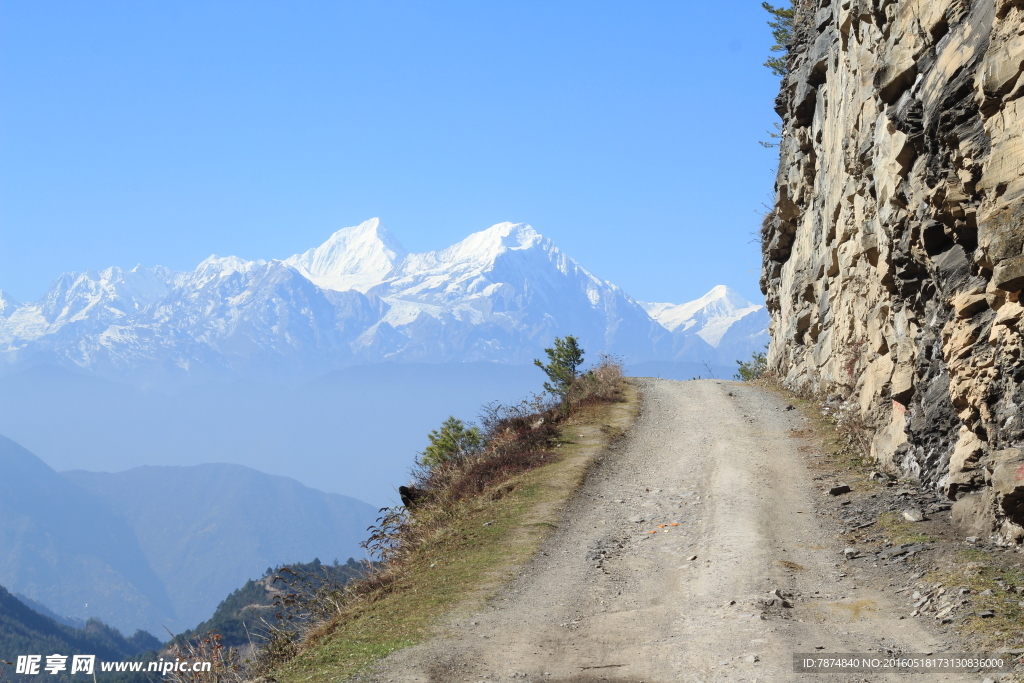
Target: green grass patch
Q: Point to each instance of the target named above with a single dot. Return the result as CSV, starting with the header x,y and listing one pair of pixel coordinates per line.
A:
x,y
897,530
972,569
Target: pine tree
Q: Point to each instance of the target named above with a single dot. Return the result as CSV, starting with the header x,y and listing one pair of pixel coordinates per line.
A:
x,y
781,24
564,360
453,440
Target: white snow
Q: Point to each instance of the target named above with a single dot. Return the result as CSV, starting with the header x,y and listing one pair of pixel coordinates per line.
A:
x,y
224,266
712,314
356,258
500,294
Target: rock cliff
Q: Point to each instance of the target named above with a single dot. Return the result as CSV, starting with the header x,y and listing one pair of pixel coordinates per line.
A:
x,y
894,253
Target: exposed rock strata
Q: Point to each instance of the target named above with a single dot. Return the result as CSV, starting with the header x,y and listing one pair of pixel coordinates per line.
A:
x,y
894,256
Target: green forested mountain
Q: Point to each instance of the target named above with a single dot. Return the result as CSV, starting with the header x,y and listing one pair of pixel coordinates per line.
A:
x,y
24,631
242,617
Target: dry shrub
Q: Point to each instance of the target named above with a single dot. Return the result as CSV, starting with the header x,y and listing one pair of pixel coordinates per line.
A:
x,y
504,464
842,414
226,663
602,384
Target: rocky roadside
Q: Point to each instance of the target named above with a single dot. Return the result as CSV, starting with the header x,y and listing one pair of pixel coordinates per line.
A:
x,y
898,536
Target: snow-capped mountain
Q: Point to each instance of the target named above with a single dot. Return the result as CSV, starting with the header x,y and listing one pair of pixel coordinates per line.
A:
x,y
723,319
353,258
711,315
501,294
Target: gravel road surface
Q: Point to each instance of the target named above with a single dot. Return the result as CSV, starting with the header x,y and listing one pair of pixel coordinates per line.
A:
x,y
738,575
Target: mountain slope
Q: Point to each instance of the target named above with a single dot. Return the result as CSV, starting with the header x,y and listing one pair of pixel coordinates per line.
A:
x,y
242,617
68,550
207,529
720,326
158,547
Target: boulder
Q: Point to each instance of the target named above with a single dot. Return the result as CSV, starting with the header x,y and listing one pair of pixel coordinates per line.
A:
x,y
974,514
1008,275
1008,482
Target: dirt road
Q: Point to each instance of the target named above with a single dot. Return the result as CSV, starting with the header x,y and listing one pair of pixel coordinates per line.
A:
x,y
608,600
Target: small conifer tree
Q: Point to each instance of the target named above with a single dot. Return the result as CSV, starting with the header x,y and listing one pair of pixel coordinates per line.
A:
x,y
454,440
781,24
562,368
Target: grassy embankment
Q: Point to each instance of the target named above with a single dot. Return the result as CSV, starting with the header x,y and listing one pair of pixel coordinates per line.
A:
x,y
459,552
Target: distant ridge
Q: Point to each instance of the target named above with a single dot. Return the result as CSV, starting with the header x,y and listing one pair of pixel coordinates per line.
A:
x,y
206,529
66,549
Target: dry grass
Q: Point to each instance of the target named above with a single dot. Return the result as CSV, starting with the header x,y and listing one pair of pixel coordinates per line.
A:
x,y
973,569
226,663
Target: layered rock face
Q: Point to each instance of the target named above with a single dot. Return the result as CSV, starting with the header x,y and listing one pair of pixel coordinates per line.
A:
x,y
894,255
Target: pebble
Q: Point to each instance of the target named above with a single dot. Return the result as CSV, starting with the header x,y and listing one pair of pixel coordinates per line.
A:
x,y
839,490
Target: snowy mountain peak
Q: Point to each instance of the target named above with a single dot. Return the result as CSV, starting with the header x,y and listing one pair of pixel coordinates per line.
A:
x,y
222,266
713,313
506,236
357,258
485,246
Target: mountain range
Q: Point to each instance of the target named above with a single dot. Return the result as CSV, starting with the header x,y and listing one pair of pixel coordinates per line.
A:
x,y
500,295
158,547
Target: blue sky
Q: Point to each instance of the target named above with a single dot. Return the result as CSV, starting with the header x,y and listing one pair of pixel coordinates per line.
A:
x,y
161,132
